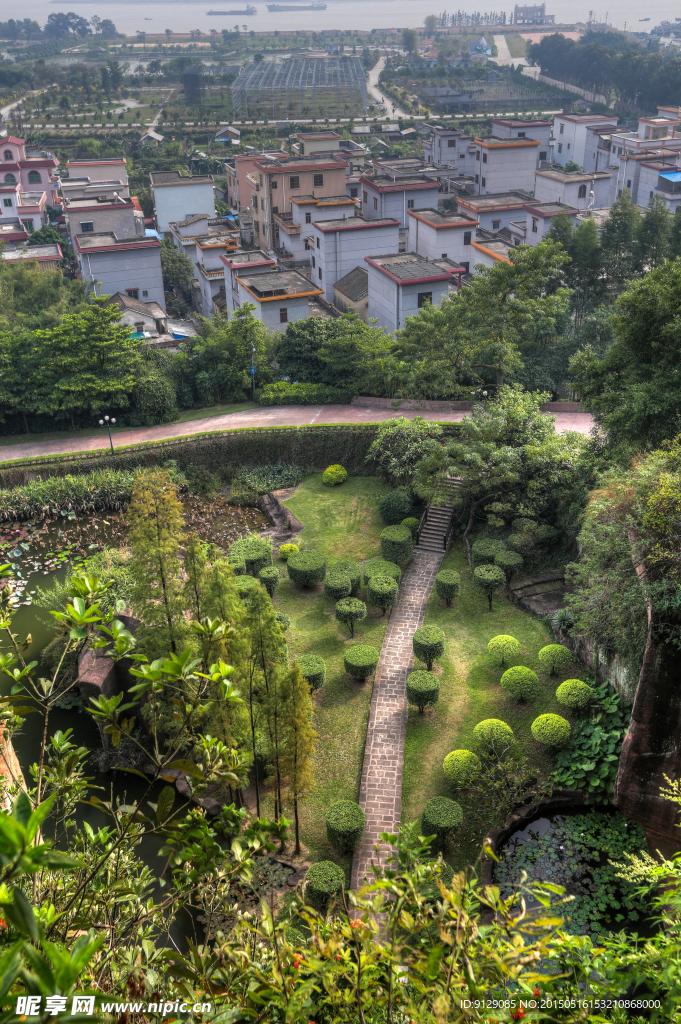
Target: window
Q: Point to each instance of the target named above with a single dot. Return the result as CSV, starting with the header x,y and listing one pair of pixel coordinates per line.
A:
x,y
451,144
319,244
462,156
483,182
256,225
562,129
484,158
375,203
307,246
477,179
314,262
542,156
464,265
477,154
85,226
353,193
365,197
424,298
254,202
28,224
10,179
273,183
318,180
651,195
34,178
466,238
8,154
262,203
308,218
294,181
132,293
629,183
444,256
410,204
535,225
581,193
521,135
320,273
145,295
568,145
275,209
560,147
260,177
496,224
7,202
283,315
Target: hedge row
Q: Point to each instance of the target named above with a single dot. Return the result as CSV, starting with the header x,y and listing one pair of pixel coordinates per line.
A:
x,y
283,393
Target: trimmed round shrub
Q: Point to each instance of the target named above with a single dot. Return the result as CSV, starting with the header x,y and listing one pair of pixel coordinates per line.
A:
x,y
551,730
546,535
522,683
447,585
395,507
428,644
520,542
245,585
286,550
422,689
574,694
237,563
256,552
461,767
503,648
333,476
337,585
269,577
306,568
522,525
284,620
314,670
351,569
351,610
509,562
344,825
324,880
412,524
361,660
554,657
493,736
382,592
485,549
396,544
382,568
489,579
441,817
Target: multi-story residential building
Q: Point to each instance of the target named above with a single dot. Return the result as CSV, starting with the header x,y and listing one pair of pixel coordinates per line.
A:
x,y
654,136
315,142
351,293
573,188
47,257
291,230
33,172
237,169
570,134
12,232
534,228
97,215
33,210
632,171
401,283
435,235
506,163
110,169
130,265
246,263
392,195
338,246
280,297
660,180
85,188
532,15
177,196
539,131
496,211
492,247
449,147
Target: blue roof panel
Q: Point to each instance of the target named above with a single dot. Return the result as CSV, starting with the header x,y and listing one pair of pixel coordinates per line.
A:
x,y
671,175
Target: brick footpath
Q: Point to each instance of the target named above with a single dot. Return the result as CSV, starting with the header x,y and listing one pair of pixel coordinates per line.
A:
x,y
380,791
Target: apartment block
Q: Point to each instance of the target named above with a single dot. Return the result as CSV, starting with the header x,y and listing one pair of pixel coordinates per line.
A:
x,y
177,196
280,297
401,283
291,229
505,163
128,265
244,263
33,172
386,195
435,235
111,169
570,133
495,211
539,131
573,188
448,147
98,214
338,246
535,227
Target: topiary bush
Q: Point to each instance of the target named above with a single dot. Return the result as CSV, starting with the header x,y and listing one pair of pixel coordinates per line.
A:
x,y
382,592
551,730
344,825
286,550
574,694
283,619
333,476
493,736
546,535
423,689
522,683
269,577
238,565
351,610
485,549
395,506
441,818
324,880
245,585
314,670
396,544
428,644
521,542
489,579
337,585
351,569
509,562
461,767
412,524
554,657
255,552
361,660
523,525
503,648
447,585
382,568
306,568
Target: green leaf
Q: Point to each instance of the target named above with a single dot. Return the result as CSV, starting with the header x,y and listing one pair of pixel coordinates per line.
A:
x,y
165,803
188,767
19,913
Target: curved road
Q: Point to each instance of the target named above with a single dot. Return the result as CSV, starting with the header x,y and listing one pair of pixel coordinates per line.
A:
x,y
374,90
268,416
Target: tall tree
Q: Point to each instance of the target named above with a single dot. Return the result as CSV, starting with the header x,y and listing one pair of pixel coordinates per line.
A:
x,y
652,238
195,567
224,350
618,240
176,267
298,743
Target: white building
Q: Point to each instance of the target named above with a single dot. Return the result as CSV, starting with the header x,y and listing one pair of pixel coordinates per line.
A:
x,y
400,284
540,131
657,180
47,256
112,264
505,163
491,249
291,229
435,235
570,133
280,297
495,211
177,197
351,293
85,188
98,214
393,196
246,263
448,147
573,188
535,227
111,169
338,246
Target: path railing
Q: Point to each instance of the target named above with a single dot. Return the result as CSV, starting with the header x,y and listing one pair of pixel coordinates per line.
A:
x,y
424,520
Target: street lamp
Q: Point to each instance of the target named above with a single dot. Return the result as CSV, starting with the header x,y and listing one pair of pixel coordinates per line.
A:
x,y
109,424
253,369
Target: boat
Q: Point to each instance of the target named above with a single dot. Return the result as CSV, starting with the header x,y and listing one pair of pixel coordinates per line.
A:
x,y
250,10
297,7
648,19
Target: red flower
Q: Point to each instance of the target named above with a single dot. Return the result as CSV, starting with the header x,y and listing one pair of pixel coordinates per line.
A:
x,y
518,1014
536,991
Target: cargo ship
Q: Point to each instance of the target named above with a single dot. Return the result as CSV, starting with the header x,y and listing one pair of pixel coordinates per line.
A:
x,y
250,10
296,7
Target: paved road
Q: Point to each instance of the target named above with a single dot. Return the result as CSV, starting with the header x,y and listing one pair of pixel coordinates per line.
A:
x,y
375,91
271,416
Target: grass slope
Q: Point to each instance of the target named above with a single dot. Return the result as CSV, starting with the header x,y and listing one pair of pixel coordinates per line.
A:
x,y
470,692
517,46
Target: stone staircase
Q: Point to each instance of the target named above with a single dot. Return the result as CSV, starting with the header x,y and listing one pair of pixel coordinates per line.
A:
x,y
438,517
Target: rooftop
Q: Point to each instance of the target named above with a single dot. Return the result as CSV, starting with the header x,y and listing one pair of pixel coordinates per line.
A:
x,y
317,136
324,200
398,183
494,141
437,219
354,223
512,200
175,178
355,285
94,202
136,305
279,284
408,268
521,124
671,175
108,239
579,176
247,258
318,161
587,117
34,252
551,209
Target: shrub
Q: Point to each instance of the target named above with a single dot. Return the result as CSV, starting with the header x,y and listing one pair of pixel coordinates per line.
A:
x,y
361,660
509,562
522,683
314,670
351,610
396,544
521,542
238,565
382,568
412,524
442,818
286,550
351,569
283,393
503,648
522,525
245,585
546,535
255,552
395,506
243,495
382,592
489,579
202,481
269,577
284,620
428,643
447,585
493,736
333,476
554,657
575,694
485,549
263,479
344,825
551,730
422,689
337,585
461,768
306,568
324,880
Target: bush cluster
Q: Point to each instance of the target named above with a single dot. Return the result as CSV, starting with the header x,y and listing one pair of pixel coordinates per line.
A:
x,y
395,506
333,476
314,670
351,569
245,585
493,736
351,610
461,767
337,585
428,643
489,579
361,660
574,694
503,648
422,689
269,577
509,562
522,543
382,592
554,657
306,568
324,880
522,683
412,524
485,549
551,730
382,568
344,825
254,552
447,585
396,544
283,393
441,818
284,620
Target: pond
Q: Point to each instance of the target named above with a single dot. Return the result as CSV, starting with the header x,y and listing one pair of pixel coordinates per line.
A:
x,y
576,850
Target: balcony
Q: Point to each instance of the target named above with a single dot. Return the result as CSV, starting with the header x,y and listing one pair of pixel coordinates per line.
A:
x,y
253,181
285,222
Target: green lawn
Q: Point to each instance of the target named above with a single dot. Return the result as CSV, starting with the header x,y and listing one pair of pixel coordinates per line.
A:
x,y
516,44
470,692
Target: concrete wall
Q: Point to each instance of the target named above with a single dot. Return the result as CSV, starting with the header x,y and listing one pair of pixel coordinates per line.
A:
x,y
548,190
434,244
126,268
342,251
391,304
268,312
507,169
361,308
396,204
121,221
177,202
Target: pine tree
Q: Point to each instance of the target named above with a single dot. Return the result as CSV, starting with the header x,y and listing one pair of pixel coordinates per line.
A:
x,y
268,654
653,235
298,743
618,240
195,566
